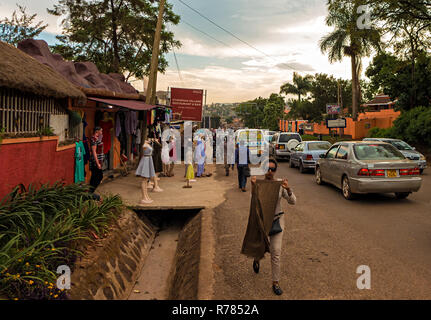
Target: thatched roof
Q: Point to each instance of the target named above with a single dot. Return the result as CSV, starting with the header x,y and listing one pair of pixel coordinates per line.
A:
x,y
84,75
20,71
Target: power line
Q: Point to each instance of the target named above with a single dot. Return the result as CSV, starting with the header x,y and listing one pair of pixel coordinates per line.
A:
x,y
178,66
225,30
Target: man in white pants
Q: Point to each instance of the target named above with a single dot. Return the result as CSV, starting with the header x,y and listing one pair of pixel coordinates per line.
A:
x,y
276,239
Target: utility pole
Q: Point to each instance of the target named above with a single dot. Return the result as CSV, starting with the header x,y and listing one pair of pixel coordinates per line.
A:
x,y
150,95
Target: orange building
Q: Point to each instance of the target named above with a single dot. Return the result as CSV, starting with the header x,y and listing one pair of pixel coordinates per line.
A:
x,y
379,114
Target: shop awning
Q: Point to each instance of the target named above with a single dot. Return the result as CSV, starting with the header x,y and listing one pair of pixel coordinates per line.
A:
x,y
129,104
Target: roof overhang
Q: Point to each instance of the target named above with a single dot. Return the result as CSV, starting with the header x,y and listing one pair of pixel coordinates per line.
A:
x,y
135,105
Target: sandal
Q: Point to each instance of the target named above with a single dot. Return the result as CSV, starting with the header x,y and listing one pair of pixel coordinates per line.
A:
x,y
157,190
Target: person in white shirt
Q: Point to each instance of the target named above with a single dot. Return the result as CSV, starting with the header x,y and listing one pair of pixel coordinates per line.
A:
x,y
276,239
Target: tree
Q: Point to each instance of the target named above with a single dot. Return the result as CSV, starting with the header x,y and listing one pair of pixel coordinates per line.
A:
x,y
20,27
392,75
117,35
252,112
273,111
324,90
301,85
349,39
409,28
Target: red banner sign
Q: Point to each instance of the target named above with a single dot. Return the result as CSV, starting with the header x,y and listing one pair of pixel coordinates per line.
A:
x,y
188,103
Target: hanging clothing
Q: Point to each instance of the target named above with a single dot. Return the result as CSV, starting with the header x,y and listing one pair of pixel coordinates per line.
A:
x,y
157,157
128,123
106,126
79,162
118,125
133,121
138,136
85,142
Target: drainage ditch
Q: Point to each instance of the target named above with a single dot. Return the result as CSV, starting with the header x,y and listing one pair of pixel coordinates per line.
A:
x,y
171,268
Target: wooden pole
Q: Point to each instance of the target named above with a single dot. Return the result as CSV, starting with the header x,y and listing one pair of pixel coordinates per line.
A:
x,y
150,94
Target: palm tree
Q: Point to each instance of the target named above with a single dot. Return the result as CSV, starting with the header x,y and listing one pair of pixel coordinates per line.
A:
x,y
301,85
348,39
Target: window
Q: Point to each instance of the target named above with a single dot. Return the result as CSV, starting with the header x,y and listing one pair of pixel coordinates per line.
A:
x,y
343,152
400,145
287,137
377,152
332,152
317,146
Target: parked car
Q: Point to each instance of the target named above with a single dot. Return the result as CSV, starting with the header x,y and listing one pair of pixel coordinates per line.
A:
x,y
306,154
368,167
407,150
282,143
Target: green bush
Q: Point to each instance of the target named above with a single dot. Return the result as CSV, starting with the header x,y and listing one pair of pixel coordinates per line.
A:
x,y
380,133
414,126
41,229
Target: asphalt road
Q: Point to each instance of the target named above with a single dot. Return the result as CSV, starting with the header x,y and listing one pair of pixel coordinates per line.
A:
x,y
326,239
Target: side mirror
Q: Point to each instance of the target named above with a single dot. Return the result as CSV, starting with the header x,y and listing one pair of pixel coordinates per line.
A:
x,y
322,156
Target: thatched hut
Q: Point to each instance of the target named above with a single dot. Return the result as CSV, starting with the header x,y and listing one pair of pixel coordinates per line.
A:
x,y
32,95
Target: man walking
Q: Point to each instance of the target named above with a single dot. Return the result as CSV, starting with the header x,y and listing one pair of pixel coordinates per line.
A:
x,y
97,157
276,239
242,160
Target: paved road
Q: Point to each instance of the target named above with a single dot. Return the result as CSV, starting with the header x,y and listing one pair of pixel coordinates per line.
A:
x,y
326,239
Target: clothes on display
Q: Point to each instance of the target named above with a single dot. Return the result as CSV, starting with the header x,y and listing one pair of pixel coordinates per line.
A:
x,y
106,126
146,165
157,156
79,162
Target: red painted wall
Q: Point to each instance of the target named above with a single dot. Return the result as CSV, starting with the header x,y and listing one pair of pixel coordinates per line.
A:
x,y
35,162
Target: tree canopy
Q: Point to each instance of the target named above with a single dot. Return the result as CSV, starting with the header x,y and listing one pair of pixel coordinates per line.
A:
x,y
20,26
117,35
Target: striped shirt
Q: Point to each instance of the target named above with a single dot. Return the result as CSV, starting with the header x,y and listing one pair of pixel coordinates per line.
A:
x,y
99,151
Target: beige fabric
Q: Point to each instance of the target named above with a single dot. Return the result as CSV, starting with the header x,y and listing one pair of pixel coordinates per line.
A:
x,y
276,240
263,203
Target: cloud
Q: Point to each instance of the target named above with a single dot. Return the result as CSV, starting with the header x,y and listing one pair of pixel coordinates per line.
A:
x,y
295,66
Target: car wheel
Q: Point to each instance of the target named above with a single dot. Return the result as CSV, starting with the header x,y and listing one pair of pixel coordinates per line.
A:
x,y
319,180
347,192
402,195
301,167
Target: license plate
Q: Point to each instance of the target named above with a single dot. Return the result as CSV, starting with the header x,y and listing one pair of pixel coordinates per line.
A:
x,y
282,147
392,173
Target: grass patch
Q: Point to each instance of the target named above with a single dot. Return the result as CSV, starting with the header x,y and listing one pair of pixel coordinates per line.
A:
x,y
41,229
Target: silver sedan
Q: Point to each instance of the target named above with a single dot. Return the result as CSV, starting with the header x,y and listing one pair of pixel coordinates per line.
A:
x,y
368,167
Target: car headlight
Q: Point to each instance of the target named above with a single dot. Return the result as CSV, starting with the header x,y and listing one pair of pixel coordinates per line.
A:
x,y
422,157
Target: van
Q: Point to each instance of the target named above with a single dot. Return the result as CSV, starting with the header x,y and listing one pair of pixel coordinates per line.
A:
x,y
282,143
254,139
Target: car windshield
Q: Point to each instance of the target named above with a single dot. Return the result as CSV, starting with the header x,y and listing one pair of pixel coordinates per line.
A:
x,y
401,145
377,152
315,146
288,137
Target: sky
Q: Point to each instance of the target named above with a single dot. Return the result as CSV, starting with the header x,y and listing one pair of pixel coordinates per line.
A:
x,y
286,34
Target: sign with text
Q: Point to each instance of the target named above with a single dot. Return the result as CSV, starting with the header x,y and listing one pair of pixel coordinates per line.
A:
x,y
188,103
337,123
333,109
